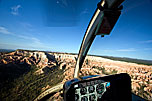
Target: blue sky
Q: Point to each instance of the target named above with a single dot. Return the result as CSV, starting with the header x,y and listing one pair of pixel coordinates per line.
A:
x,y
59,25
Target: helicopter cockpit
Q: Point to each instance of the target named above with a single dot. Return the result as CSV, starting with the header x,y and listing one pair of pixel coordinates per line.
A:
x,y
96,88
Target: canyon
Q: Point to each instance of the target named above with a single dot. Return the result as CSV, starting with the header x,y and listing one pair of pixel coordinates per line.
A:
x,y
22,60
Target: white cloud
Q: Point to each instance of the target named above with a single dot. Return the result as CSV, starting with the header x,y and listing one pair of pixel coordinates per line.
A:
x,y
35,43
126,50
22,36
147,41
57,2
65,3
147,49
27,26
119,50
134,4
86,11
107,50
33,39
15,10
4,30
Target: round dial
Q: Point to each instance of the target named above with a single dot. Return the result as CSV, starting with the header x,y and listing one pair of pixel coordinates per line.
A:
x,y
83,91
91,89
84,98
92,97
100,88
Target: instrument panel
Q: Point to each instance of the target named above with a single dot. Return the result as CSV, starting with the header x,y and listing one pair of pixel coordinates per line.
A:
x,y
96,88
91,90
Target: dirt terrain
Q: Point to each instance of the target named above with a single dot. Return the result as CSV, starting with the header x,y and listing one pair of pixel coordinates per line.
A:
x,y
141,75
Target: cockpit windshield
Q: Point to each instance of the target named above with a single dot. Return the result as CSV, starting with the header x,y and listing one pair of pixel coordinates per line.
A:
x,y
40,41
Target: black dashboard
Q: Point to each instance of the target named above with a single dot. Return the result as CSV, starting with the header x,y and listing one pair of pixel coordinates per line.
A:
x,y
96,88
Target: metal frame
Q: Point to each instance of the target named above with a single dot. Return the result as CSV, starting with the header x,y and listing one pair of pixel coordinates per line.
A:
x,y
93,29
90,34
